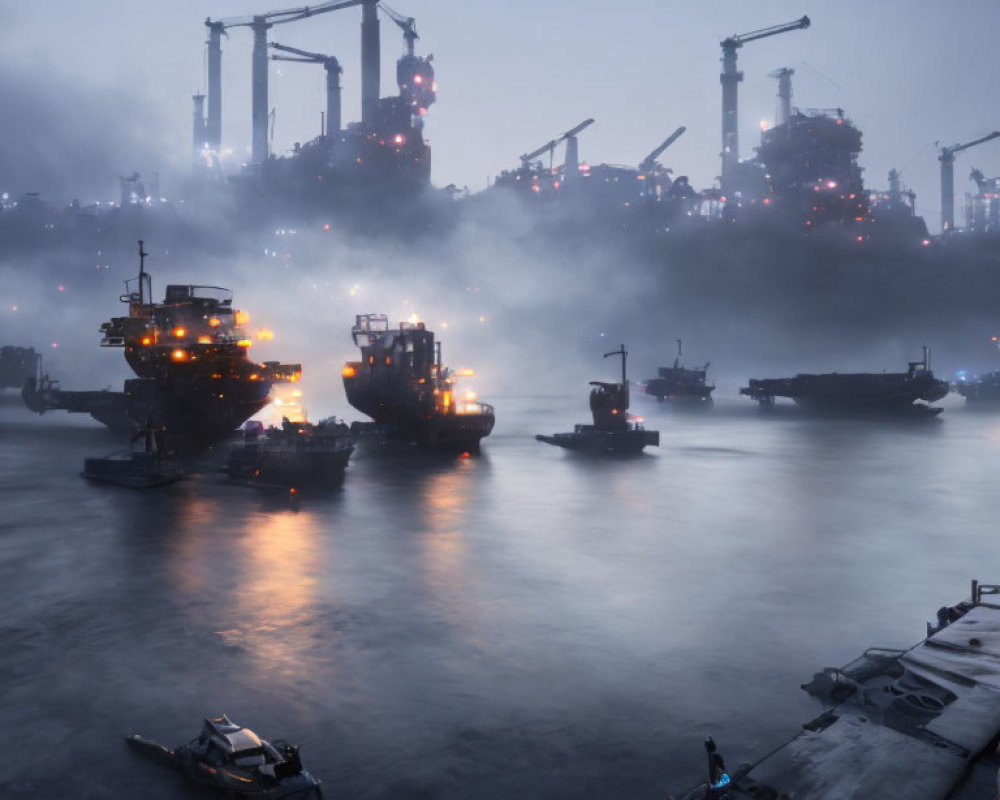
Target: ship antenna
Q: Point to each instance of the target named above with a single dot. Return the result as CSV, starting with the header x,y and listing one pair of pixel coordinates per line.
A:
x,y
677,361
621,351
142,274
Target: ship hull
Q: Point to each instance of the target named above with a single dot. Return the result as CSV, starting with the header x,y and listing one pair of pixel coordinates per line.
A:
x,y
407,418
852,393
259,465
194,412
663,389
588,439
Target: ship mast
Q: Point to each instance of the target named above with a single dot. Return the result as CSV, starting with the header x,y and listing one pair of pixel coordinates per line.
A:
x,y
142,275
621,351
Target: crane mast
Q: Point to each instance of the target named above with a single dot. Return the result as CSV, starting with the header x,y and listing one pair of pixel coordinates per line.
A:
x,y
333,70
259,25
730,79
947,159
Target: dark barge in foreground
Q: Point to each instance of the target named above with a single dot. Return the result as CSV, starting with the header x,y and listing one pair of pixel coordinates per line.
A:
x,y
915,724
402,385
861,392
612,431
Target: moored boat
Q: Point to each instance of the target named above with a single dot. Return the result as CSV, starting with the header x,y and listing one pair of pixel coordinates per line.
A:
x,y
862,392
236,760
296,455
613,431
402,385
681,385
136,469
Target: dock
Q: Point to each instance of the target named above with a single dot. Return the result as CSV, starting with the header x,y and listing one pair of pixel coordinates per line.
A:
x,y
916,724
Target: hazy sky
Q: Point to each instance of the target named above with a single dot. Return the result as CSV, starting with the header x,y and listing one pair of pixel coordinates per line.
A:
x,y
511,75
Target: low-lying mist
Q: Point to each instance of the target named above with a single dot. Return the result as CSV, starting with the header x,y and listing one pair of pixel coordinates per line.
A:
x,y
528,300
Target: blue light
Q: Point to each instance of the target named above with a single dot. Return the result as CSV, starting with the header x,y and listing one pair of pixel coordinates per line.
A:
x,y
723,781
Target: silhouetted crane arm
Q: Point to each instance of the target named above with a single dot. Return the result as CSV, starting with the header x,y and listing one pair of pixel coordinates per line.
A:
x,y
304,53
535,153
285,15
574,131
958,148
741,39
548,147
647,162
407,24
295,59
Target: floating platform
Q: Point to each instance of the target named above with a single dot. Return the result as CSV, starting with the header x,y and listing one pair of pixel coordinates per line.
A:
x,y
916,724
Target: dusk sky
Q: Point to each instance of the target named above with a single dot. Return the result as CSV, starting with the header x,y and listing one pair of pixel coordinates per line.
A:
x,y
511,75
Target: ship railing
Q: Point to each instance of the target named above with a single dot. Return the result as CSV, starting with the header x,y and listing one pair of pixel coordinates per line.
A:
x,y
369,327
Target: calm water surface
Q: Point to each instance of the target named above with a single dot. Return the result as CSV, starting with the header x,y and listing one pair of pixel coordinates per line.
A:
x,y
526,623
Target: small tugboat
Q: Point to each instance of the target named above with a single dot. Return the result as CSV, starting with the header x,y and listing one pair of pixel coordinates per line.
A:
x,y
680,384
296,455
136,469
402,385
865,392
612,431
233,758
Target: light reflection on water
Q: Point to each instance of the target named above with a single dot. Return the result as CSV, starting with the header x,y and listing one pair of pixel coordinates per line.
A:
x,y
528,622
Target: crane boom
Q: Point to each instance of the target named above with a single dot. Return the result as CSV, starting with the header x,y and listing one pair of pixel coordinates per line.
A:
x,y
548,147
284,15
574,131
958,148
551,145
304,53
741,39
647,162
407,24
947,159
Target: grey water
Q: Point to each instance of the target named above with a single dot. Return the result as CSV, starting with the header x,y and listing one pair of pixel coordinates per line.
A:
x,y
525,623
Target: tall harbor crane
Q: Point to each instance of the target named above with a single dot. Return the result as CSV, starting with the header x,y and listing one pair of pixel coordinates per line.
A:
x,y
947,159
730,80
408,25
572,160
259,24
333,70
648,162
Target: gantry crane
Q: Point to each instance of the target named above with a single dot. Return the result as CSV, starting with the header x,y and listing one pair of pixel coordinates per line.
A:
x,y
572,160
947,159
648,162
259,24
408,25
730,80
333,70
